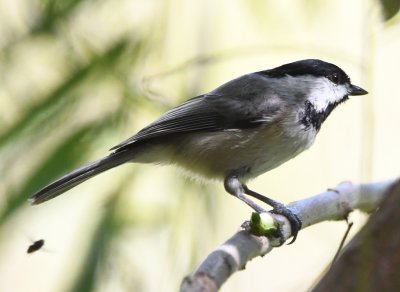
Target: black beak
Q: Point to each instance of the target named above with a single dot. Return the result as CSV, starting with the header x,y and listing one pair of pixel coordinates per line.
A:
x,y
355,90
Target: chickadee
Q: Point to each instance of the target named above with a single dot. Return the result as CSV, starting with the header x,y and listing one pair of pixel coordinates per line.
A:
x,y
236,132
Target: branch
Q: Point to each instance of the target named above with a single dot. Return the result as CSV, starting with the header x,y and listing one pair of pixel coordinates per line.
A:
x,y
334,204
370,262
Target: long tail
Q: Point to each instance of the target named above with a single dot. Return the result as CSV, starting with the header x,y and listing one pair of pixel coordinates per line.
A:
x,y
80,175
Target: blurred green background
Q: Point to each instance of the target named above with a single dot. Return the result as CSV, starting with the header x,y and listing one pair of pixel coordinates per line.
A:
x,y
79,76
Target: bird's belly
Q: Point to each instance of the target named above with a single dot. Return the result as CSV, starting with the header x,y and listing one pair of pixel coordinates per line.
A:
x,y
245,153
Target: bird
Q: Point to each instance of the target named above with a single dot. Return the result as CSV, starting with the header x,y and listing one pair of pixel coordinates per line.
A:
x,y
234,133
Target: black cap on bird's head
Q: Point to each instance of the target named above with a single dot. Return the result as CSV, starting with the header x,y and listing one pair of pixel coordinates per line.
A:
x,y
316,68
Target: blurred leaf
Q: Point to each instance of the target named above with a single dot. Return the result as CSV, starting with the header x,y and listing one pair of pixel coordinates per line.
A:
x,y
389,8
76,78
98,249
98,254
67,156
53,12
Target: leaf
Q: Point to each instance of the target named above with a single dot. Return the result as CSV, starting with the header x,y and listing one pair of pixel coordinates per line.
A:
x,y
66,157
53,12
389,8
100,260
96,255
75,79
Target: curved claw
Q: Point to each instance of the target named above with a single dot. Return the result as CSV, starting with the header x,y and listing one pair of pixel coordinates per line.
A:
x,y
295,222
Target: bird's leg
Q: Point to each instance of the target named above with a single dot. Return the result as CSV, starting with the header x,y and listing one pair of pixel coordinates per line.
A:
x,y
235,188
280,209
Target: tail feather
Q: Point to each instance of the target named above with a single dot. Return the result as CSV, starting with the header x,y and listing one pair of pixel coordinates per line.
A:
x,y
78,176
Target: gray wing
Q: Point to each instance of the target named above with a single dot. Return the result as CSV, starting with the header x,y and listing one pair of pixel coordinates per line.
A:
x,y
244,102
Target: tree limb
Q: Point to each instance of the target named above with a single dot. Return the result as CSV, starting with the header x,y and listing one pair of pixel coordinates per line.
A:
x,y
371,261
334,204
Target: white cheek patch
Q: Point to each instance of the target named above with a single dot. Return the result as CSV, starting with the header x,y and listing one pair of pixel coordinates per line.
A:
x,y
321,92
324,92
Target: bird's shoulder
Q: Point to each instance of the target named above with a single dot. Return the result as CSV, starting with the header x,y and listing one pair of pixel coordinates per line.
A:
x,y
244,102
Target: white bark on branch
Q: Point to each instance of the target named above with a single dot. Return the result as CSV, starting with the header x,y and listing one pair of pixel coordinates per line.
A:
x,y
334,204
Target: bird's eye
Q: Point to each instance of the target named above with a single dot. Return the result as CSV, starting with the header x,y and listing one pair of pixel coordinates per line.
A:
x,y
334,78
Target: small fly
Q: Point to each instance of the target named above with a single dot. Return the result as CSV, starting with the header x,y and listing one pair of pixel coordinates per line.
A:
x,y
38,244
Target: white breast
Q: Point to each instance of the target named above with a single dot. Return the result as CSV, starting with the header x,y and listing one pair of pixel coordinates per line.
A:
x,y
245,152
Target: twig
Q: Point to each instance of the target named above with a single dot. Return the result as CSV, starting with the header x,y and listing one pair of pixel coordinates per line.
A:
x,y
242,247
349,225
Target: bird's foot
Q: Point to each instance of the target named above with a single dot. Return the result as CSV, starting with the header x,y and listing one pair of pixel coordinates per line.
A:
x,y
294,220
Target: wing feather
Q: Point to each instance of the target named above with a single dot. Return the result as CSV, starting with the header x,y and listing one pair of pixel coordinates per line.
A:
x,y
222,109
